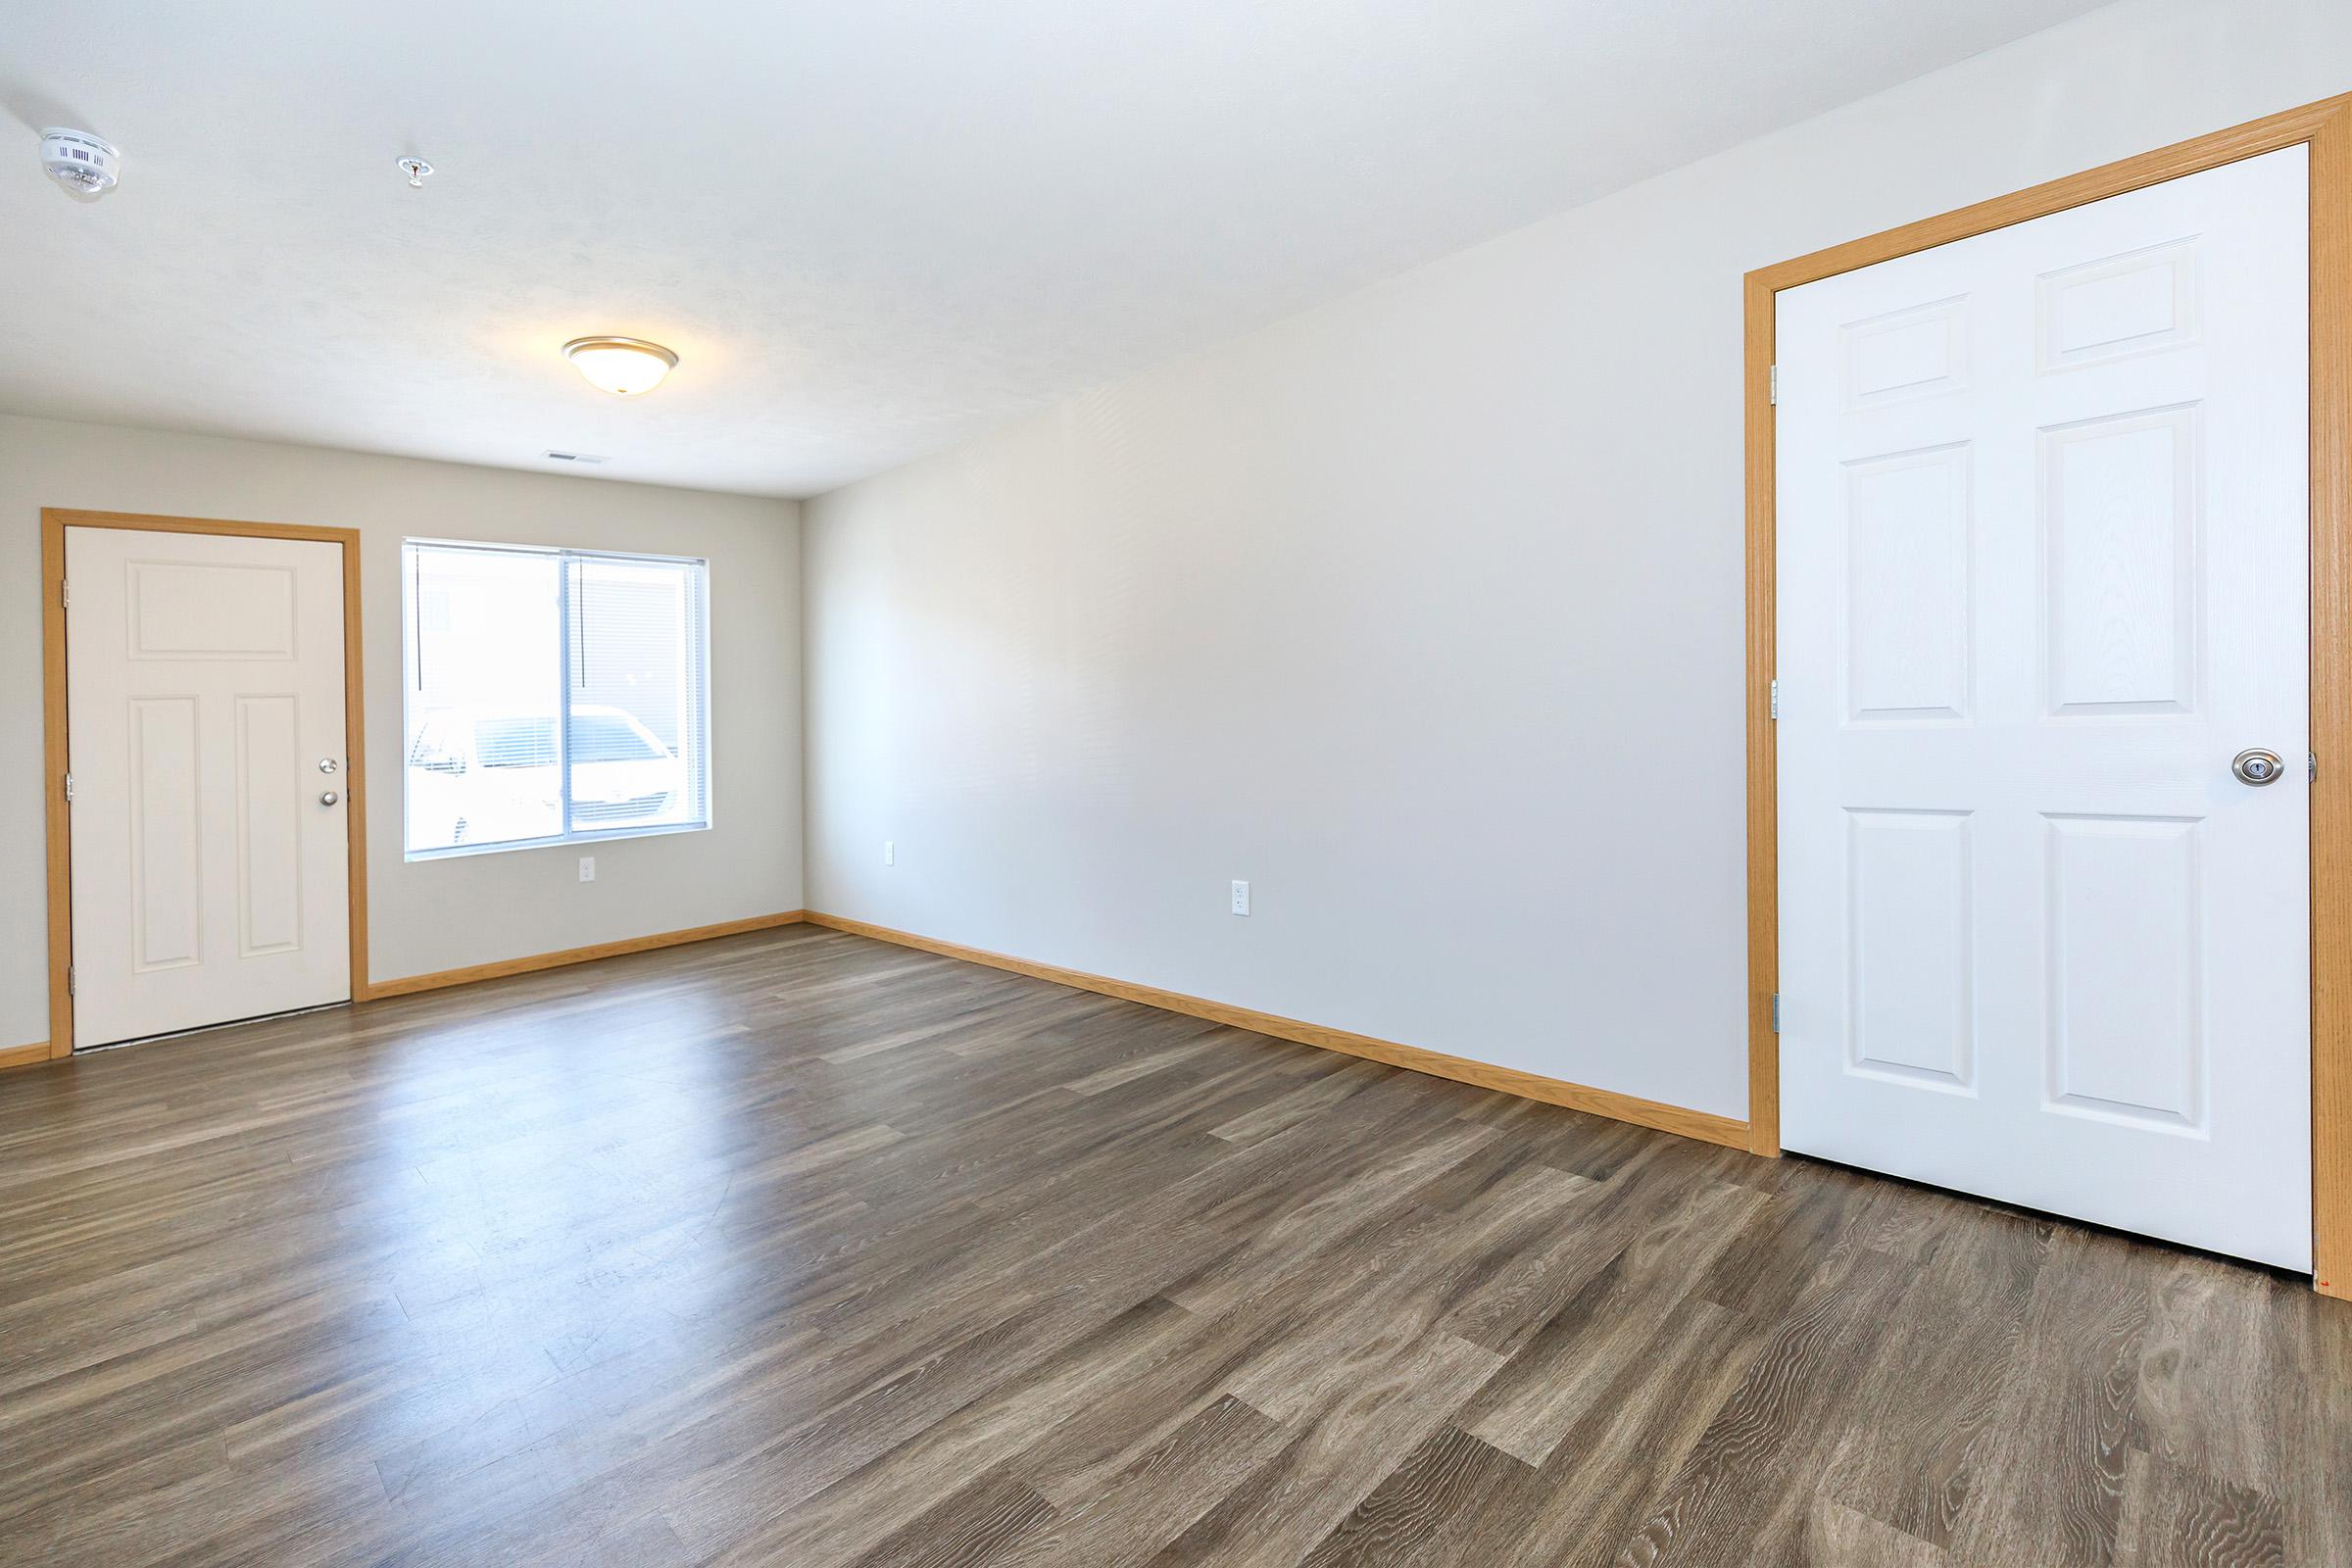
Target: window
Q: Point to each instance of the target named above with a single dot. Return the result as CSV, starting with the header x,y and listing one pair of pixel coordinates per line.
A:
x,y
552,695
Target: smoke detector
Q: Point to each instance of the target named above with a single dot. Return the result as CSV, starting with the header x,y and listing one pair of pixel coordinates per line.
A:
x,y
82,162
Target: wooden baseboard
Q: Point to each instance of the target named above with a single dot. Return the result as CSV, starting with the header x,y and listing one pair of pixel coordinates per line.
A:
x,y
409,984
24,1055
1699,1124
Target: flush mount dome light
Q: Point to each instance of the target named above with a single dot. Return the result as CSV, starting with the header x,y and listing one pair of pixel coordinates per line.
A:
x,y
624,366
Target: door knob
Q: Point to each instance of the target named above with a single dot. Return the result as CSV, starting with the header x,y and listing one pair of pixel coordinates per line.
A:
x,y
329,798
327,765
2256,766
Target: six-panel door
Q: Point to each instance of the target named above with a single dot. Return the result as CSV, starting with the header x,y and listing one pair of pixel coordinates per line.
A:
x,y
204,691
2042,576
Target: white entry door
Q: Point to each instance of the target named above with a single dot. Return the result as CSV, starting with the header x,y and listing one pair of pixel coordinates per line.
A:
x,y
203,692
2041,576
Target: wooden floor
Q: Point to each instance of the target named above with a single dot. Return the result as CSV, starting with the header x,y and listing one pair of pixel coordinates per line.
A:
x,y
797,1249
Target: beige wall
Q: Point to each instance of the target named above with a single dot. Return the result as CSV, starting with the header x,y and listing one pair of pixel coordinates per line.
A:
x,y
1422,610
449,913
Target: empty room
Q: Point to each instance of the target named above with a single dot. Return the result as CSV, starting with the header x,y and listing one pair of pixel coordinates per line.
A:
x,y
1259,783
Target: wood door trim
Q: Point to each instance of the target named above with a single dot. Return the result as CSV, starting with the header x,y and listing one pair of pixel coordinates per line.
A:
x,y
2325,127
55,520
1727,1131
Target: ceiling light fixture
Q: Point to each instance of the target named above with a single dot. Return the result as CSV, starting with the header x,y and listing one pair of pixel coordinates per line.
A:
x,y
415,169
624,366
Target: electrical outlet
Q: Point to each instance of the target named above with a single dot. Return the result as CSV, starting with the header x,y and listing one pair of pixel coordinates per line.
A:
x,y
890,851
587,867
1241,898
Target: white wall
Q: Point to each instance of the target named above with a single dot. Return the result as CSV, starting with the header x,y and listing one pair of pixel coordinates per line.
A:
x,y
1421,611
450,913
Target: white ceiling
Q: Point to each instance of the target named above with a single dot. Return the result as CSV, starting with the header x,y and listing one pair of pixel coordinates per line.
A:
x,y
870,227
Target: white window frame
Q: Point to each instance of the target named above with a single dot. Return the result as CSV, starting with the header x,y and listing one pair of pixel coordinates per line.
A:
x,y
698,632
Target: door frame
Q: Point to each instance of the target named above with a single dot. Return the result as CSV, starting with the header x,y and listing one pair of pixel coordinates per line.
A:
x,y
55,520
2325,127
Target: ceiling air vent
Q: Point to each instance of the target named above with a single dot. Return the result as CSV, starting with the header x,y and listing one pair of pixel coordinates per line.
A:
x,y
575,457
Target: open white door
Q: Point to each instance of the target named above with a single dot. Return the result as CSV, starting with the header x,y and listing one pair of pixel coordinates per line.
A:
x,y
204,698
2042,576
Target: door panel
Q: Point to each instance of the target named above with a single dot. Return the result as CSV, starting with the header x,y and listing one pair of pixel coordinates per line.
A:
x,y
269,777
2126,904
2042,573
193,610
204,686
1907,603
165,832
2119,528
1911,969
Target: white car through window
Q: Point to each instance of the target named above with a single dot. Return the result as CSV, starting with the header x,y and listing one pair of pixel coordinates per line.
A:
x,y
493,778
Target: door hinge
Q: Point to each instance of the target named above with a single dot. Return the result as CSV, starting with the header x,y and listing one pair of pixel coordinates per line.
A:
x,y
1776,697
1773,392
2311,763
1776,1013
65,594
69,786
68,980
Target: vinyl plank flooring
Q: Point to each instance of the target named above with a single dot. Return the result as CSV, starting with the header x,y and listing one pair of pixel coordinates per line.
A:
x,y
1093,1373
799,1248
2055,1485
1839,1536
2181,1518
1336,1456
976,1526
1741,1496
1613,1469
1428,1510
1582,1353
1159,1495
1922,1421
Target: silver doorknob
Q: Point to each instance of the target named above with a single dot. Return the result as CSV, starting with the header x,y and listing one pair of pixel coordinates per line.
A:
x,y
327,765
2256,766
329,798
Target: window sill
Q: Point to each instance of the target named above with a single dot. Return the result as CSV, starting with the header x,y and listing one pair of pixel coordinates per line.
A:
x,y
456,852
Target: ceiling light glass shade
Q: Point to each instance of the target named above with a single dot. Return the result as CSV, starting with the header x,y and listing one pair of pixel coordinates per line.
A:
x,y
624,366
